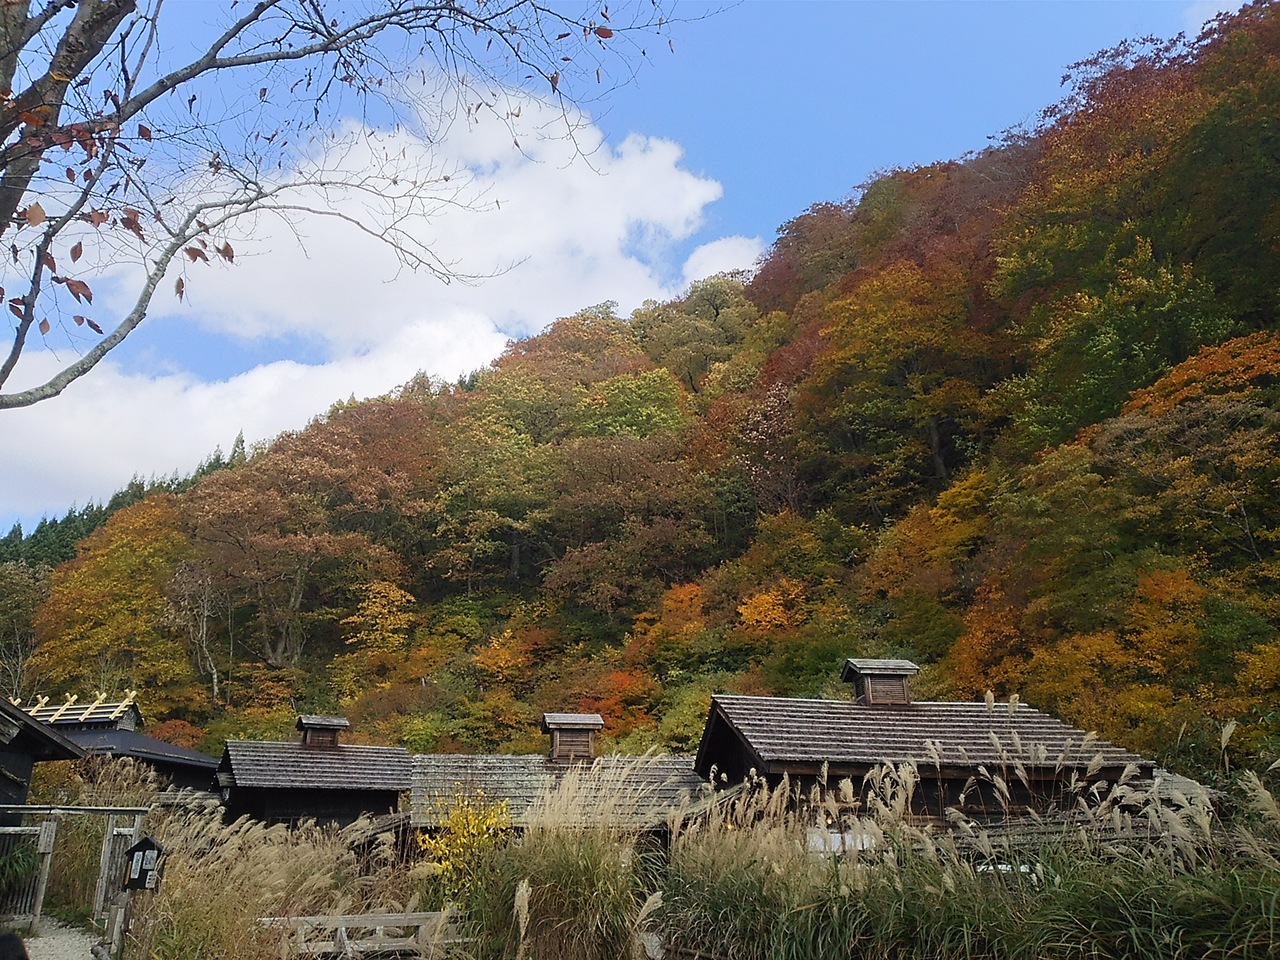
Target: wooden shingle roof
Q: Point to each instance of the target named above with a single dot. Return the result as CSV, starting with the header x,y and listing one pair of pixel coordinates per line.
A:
x,y
571,721
254,763
625,790
796,736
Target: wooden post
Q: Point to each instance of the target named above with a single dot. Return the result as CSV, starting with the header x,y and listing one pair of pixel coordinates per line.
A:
x,y
104,868
44,846
118,921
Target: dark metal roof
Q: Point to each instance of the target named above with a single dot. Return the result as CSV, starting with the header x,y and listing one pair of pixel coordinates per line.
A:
x,y
571,721
638,791
799,736
255,763
127,743
24,733
97,713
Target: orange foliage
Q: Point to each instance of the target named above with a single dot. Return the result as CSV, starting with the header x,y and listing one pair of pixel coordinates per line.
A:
x,y
992,654
178,732
1241,365
504,657
620,700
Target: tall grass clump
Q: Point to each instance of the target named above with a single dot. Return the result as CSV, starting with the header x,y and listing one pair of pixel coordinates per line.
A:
x,y
219,880
578,882
1137,873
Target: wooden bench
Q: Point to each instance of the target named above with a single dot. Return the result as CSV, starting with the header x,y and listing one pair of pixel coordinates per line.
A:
x,y
366,934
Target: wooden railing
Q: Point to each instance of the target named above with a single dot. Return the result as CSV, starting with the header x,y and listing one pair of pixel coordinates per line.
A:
x,y
366,934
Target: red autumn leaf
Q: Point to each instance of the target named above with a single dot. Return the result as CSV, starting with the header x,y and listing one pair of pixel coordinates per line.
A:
x,y
31,119
180,287
77,251
18,307
144,132
93,326
44,327
262,94
555,81
226,253
79,289
562,36
98,218
62,139
79,320
195,253
34,215
604,33
132,225
71,174
49,262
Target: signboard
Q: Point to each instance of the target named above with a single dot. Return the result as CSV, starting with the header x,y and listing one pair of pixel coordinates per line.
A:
x,y
143,864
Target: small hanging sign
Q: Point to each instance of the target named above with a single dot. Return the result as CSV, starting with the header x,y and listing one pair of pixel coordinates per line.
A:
x,y
143,865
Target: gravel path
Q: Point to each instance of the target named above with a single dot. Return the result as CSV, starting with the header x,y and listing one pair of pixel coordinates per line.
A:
x,y
56,941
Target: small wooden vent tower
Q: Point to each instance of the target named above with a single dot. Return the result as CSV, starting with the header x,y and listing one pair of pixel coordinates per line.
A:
x,y
880,682
321,731
573,735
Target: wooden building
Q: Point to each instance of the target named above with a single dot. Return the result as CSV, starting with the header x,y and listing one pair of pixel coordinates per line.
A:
x,y
113,728
24,742
638,792
315,777
986,760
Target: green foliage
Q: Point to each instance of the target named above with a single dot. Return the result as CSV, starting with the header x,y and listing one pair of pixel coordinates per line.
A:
x,y
1091,352
18,862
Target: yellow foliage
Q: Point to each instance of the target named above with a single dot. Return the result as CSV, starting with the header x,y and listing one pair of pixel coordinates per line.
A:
x,y
468,828
778,609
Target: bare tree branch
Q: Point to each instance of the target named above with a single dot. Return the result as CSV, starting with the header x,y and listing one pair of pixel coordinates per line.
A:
x,y
74,181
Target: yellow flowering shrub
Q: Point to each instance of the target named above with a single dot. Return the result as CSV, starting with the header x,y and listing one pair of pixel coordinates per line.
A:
x,y
469,827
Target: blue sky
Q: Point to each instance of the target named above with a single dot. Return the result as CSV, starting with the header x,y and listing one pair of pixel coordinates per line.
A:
x,y
762,109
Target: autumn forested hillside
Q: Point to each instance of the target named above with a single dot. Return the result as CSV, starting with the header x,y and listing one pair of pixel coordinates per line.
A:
x,y
1015,417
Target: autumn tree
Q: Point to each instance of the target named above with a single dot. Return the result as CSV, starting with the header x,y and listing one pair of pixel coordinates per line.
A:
x,y
895,389
116,148
690,335
282,522
379,636
103,626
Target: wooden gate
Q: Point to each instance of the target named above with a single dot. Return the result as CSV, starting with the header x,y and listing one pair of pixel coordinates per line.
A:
x,y
29,851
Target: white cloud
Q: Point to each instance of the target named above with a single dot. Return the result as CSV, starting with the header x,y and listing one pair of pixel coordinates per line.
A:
x,y
563,233
721,256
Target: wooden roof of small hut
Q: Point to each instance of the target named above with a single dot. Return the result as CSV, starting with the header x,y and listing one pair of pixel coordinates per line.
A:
x,y
795,736
347,766
634,791
130,743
